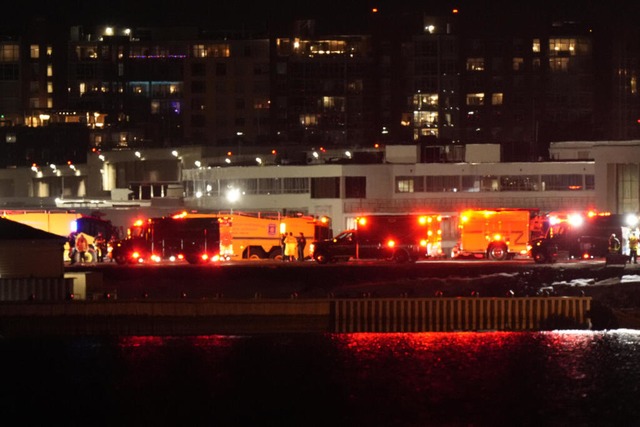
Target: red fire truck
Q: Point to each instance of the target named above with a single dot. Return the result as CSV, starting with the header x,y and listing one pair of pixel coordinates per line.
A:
x,y
196,240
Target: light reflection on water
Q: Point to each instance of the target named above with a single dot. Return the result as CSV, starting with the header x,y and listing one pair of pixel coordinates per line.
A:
x,y
577,378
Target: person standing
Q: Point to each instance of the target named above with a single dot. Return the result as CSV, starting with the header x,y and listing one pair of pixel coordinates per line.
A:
x,y
290,247
614,244
72,246
101,246
633,247
82,246
302,242
283,245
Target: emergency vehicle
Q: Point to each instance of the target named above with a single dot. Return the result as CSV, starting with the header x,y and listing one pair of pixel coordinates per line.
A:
x,y
580,235
172,238
257,235
64,223
401,238
493,234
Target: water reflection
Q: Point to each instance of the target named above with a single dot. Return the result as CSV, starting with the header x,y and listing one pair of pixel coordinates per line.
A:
x,y
423,379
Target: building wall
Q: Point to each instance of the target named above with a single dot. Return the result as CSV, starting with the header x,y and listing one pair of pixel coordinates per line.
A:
x,y
616,170
382,194
28,258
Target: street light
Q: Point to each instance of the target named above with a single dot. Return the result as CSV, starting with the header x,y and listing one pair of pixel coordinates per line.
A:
x,y
233,195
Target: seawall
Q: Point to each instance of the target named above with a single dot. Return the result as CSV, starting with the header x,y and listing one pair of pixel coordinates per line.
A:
x,y
222,316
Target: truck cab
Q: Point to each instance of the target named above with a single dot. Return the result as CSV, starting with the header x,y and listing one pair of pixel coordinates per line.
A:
x,y
400,238
578,237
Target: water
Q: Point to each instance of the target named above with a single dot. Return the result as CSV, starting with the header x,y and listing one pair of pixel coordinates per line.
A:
x,y
568,378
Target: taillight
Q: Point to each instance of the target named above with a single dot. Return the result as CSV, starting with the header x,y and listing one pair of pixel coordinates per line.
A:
x,y
391,243
423,243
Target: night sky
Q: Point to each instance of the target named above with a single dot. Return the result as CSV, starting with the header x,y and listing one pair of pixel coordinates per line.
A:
x,y
338,14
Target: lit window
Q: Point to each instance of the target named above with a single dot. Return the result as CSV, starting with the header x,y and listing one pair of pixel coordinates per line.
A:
x,y
49,51
199,51
49,70
559,64
309,120
9,53
404,185
35,51
562,47
536,46
518,64
496,98
423,101
49,102
49,87
475,64
475,99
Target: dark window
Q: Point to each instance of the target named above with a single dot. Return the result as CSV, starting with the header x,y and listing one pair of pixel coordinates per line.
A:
x,y
221,69
355,187
197,87
325,188
198,69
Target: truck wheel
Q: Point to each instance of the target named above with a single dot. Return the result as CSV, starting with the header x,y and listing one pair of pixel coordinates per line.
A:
x,y
540,258
120,259
193,260
90,257
321,258
254,252
497,252
401,256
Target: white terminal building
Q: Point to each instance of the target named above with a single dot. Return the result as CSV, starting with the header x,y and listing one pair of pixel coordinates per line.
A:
x,y
600,175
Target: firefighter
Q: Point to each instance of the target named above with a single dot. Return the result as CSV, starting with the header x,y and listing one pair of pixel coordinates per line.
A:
x,y
614,244
633,247
283,245
302,242
291,244
82,246
101,247
71,239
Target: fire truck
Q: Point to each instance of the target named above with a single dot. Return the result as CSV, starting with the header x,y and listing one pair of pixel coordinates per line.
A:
x,y
580,235
64,223
401,238
257,235
493,234
172,238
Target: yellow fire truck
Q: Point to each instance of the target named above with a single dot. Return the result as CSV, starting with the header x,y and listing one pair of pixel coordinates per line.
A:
x,y
493,234
258,235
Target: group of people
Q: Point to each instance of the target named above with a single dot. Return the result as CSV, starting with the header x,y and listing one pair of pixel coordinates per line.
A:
x,y
79,248
615,246
293,247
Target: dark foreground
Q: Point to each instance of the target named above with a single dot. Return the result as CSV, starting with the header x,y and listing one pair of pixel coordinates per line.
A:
x,y
568,378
